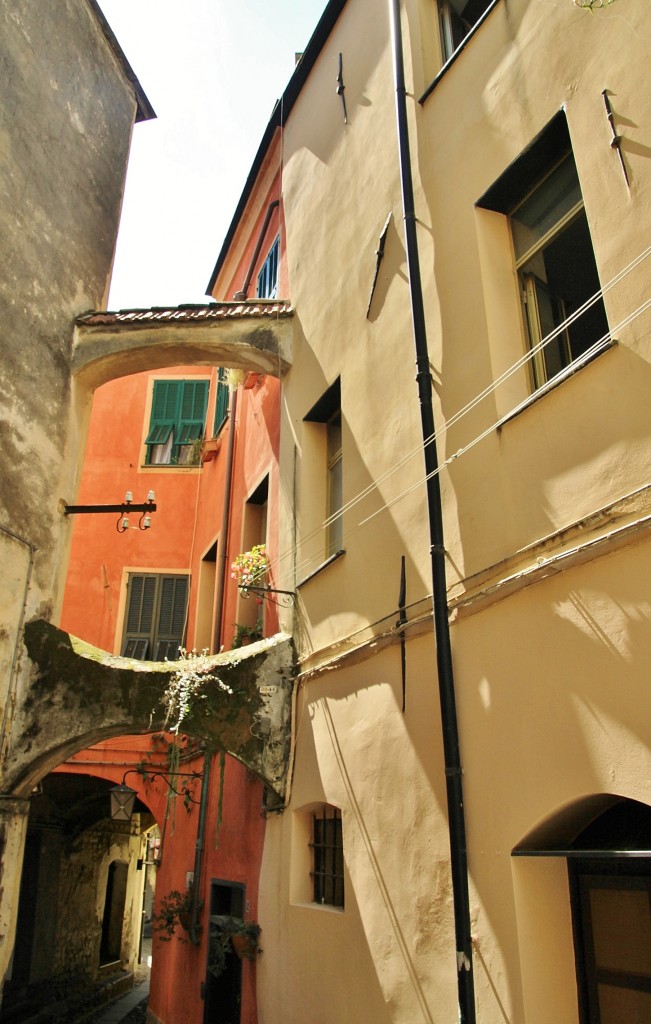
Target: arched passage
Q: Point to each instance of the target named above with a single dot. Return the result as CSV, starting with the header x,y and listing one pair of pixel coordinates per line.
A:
x,y
249,717
254,335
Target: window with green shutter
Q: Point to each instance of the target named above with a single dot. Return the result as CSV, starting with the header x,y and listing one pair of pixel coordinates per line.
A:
x,y
154,625
178,415
221,406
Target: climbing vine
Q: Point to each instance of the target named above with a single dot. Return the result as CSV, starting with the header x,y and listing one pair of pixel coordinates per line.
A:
x,y
592,5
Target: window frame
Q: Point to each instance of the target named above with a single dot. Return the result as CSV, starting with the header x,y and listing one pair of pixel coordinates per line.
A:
x,y
221,402
327,847
173,421
327,413
267,279
628,873
446,14
525,177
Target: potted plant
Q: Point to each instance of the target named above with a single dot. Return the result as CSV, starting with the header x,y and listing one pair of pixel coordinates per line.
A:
x,y
174,909
209,448
250,568
246,634
230,935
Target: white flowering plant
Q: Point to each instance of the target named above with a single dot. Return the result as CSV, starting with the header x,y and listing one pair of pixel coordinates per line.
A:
x,y
250,567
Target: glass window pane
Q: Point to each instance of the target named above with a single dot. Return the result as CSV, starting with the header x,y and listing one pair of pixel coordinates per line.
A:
x,y
551,201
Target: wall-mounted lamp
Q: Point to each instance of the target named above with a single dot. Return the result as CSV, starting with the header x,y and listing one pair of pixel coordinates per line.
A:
x,y
123,797
122,525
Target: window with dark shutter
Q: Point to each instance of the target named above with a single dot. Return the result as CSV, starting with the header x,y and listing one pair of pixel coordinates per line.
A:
x,y
155,618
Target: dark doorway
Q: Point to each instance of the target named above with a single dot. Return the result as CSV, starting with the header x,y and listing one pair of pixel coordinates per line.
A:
x,y
116,891
223,995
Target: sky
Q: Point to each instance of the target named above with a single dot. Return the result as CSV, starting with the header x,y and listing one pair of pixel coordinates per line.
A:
x,y
212,70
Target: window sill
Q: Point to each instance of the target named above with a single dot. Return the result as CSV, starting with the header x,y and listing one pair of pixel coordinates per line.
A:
x,y
167,467
320,568
459,50
307,905
556,381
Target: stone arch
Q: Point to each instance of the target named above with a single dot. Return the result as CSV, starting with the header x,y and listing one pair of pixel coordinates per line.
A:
x,y
251,336
114,696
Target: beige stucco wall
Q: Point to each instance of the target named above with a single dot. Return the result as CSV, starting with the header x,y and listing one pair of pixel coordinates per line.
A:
x,y
550,630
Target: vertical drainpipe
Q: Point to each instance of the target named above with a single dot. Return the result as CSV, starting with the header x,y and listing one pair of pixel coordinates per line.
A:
x,y
195,933
226,518
453,771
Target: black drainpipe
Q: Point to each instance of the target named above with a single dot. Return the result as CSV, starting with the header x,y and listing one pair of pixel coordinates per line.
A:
x,y
226,518
244,293
195,933
453,772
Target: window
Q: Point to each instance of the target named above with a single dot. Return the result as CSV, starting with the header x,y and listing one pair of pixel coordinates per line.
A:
x,y
458,18
268,276
221,405
334,531
178,414
327,857
613,922
154,627
557,273
327,412
611,911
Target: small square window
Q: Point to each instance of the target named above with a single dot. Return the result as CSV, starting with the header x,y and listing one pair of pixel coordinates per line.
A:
x,y
328,857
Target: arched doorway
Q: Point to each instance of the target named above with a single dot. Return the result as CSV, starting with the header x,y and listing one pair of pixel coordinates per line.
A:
x,y
606,842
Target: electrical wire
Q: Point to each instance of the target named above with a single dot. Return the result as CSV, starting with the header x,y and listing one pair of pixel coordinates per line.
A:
x,y
472,404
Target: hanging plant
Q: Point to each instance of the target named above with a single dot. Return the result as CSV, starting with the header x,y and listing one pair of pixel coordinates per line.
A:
x,y
231,935
182,695
245,634
174,909
250,568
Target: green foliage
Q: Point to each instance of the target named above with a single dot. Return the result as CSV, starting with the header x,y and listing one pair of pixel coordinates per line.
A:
x,y
243,632
171,908
592,5
220,942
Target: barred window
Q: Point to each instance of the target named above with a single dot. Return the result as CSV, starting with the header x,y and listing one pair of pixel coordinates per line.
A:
x,y
328,856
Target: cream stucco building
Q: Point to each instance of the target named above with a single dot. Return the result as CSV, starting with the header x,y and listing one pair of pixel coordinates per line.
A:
x,y
528,124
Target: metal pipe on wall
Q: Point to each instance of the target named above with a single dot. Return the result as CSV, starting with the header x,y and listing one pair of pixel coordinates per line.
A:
x,y
453,771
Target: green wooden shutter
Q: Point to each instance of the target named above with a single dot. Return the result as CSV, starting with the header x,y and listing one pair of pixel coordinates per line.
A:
x,y
171,616
164,412
192,414
221,406
141,603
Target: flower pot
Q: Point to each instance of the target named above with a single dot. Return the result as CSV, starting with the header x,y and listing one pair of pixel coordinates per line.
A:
x,y
245,946
209,448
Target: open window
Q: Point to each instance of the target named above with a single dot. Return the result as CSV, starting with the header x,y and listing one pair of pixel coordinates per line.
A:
x,y
457,19
155,619
178,416
563,311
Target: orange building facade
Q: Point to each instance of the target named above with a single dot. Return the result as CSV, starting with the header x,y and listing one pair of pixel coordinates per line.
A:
x,y
205,441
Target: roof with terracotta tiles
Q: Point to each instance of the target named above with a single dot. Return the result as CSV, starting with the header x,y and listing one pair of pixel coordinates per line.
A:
x,y
271,308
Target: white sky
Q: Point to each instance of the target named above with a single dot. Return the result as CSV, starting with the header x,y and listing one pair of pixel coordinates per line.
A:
x,y
212,70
